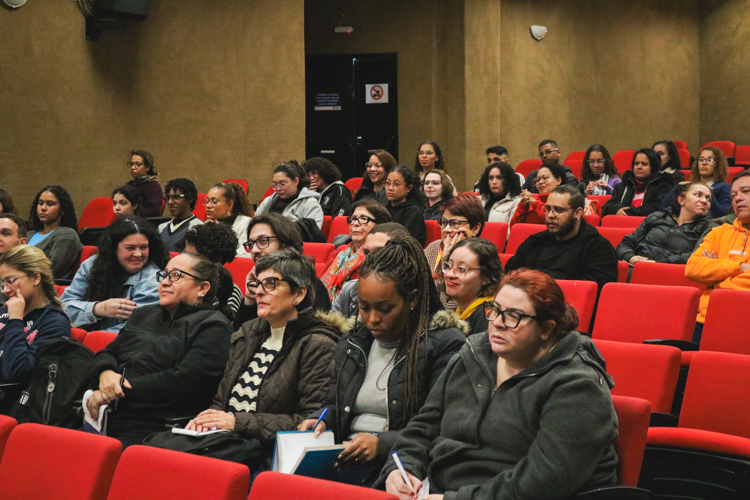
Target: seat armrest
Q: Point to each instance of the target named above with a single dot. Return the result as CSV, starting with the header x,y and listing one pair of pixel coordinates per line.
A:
x,y
662,420
683,345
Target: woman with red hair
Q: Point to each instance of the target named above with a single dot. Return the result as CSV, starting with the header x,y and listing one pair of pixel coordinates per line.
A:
x,y
523,411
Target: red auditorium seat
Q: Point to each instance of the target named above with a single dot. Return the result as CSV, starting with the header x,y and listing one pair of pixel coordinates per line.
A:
x,y
686,172
726,147
623,160
268,193
42,461
527,166
354,184
575,155
633,416
615,234
497,233
241,182
593,220
598,201
320,269
60,289
147,473
97,213
318,251
338,226
7,424
742,156
643,371
98,340
433,231
239,268
622,271
278,486
708,454
519,233
684,158
504,258
326,228
576,165
680,145
622,221
732,173
635,313
78,334
581,295
657,273
200,207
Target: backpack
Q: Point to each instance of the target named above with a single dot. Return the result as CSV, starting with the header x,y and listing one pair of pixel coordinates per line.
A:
x,y
60,376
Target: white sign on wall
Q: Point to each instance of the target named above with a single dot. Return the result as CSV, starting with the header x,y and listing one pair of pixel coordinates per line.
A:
x,y
376,93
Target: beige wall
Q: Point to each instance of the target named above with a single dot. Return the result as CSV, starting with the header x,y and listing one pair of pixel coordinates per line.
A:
x,y
725,71
213,89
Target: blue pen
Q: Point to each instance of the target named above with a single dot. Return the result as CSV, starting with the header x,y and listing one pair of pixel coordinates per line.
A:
x,y
320,418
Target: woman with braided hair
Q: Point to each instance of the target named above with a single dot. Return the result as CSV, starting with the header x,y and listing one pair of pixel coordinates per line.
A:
x,y
385,368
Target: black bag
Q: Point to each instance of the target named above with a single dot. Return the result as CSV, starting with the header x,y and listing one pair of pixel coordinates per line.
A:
x,y
228,446
60,377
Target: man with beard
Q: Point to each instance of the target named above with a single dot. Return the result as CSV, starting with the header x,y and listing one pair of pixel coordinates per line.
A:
x,y
549,152
570,249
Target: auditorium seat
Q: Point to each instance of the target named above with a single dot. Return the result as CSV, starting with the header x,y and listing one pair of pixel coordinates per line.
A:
x,y
623,160
622,221
60,289
680,145
278,486
88,251
622,271
78,334
598,200
633,415
98,340
582,296
42,461
318,251
574,155
732,173
592,220
147,473
433,231
519,233
338,226
635,313
504,258
7,424
576,165
527,166
687,173
239,268
497,233
354,184
742,156
241,182
684,158
97,213
326,227
268,193
320,269
200,207
615,234
726,147
658,273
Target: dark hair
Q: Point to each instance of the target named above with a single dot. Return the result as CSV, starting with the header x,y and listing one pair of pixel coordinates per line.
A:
x,y
609,166
402,261
295,269
469,206
511,182
547,298
721,167
392,229
654,161
7,201
681,190
547,141
206,270
576,197
445,183
134,196
67,209
744,173
674,155
293,171
148,160
285,230
22,229
388,162
490,267
378,211
557,171
233,192
439,162
107,275
186,187
411,178
216,242
324,168
498,150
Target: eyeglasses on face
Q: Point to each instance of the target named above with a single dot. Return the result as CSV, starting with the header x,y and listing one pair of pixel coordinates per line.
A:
x,y
268,284
277,185
10,280
599,161
173,197
710,160
547,151
544,178
510,318
452,223
433,183
359,219
373,165
262,242
555,209
174,276
132,164
212,201
459,271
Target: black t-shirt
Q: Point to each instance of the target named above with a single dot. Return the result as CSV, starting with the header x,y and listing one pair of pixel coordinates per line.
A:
x,y
555,260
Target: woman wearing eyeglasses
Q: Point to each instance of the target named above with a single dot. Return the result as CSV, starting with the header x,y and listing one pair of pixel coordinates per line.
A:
x,y
531,207
598,173
292,198
120,278
32,314
226,203
344,263
472,272
146,180
406,201
279,363
385,367
376,172
268,234
438,189
523,411
168,358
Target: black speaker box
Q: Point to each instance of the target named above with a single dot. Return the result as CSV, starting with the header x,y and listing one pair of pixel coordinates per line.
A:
x,y
131,9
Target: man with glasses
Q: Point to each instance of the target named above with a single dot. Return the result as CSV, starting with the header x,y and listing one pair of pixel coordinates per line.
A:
x,y
570,248
181,197
549,153
12,233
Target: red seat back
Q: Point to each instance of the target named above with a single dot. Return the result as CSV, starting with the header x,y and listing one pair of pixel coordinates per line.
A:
x,y
98,340
504,258
270,191
354,184
148,473
622,271
519,233
623,160
318,251
78,334
657,273
742,156
684,158
320,269
7,424
727,326
87,252
326,228
60,289
575,155
726,147
41,461
200,207
732,172
433,231
576,165
278,486
598,201
633,415
634,313
338,226
239,268
241,182
643,371
680,144
622,221
497,233
615,234
97,213
582,296
686,172
527,166
593,220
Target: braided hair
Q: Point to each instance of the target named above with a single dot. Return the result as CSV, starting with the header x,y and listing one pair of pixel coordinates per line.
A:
x,y
403,262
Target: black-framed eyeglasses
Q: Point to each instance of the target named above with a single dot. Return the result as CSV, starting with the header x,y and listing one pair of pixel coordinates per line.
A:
x,y
544,178
174,276
554,209
511,318
360,219
173,197
262,242
132,164
710,160
452,223
268,284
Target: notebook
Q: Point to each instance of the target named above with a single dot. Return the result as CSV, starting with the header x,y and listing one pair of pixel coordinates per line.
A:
x,y
300,452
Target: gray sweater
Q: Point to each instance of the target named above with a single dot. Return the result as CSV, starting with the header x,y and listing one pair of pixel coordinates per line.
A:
x,y
547,432
63,249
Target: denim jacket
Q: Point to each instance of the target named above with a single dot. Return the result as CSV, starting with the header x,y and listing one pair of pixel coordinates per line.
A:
x,y
142,288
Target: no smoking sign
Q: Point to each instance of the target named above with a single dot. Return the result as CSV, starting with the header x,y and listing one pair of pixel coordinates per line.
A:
x,y
376,93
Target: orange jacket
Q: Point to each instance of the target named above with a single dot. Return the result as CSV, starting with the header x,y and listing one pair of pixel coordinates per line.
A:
x,y
531,214
731,245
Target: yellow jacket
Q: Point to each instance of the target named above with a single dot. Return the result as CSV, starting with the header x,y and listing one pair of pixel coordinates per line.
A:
x,y
731,245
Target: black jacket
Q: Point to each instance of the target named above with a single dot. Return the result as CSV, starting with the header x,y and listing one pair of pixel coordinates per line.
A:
x,y
435,212
444,340
409,214
658,187
336,200
660,238
590,256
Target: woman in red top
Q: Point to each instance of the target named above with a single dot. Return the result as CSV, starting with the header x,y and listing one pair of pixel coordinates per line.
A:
x,y
531,208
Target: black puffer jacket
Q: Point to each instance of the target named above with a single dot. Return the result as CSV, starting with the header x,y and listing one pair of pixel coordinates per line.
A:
x,y
410,214
445,337
658,187
660,238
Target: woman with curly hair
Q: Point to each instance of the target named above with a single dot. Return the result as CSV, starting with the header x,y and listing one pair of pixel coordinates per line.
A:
x,y
146,180
429,156
227,203
54,230
325,178
599,176
500,191
373,181
670,159
110,285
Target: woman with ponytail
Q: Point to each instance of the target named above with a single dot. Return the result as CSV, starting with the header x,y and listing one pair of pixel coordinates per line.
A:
x,y
386,367
523,411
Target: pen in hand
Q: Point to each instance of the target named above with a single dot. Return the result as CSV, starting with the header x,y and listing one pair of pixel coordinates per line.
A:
x,y
320,419
403,472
